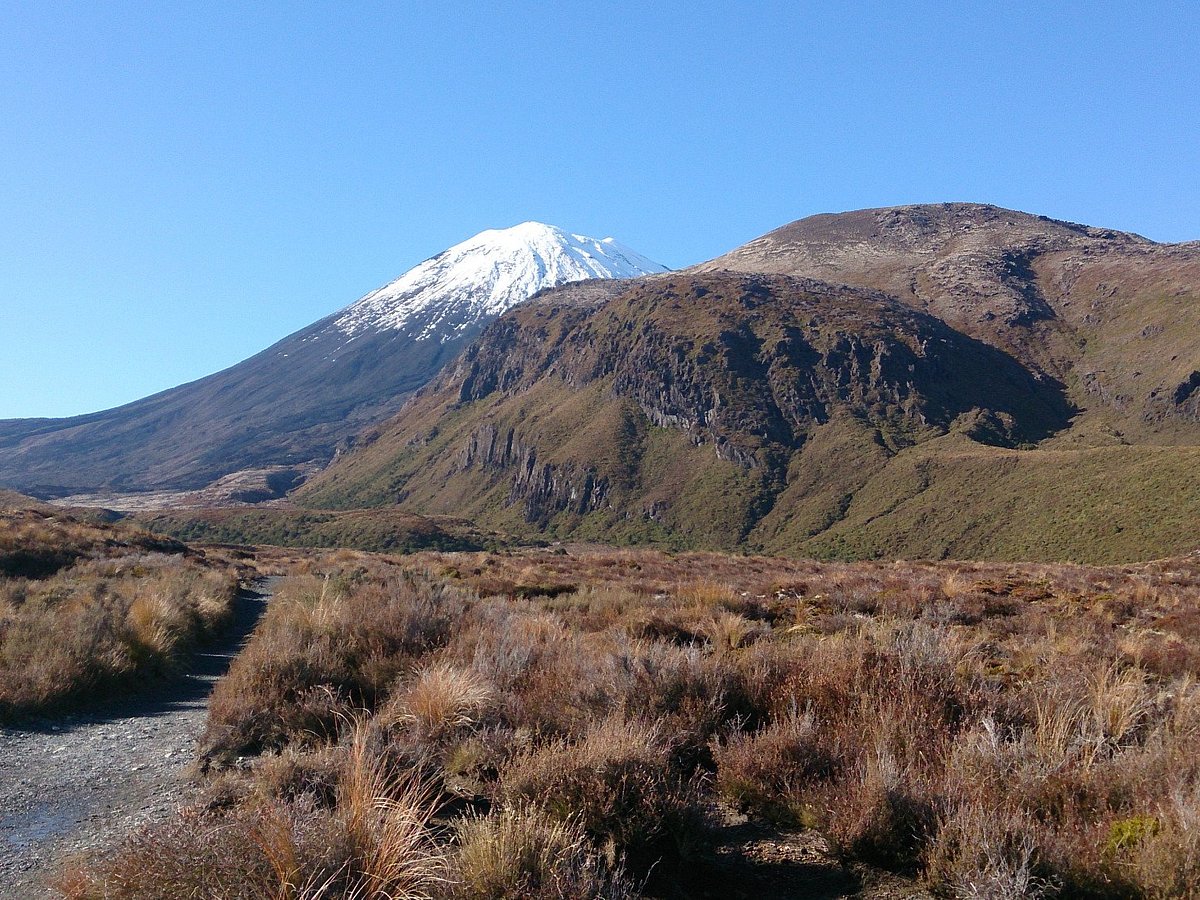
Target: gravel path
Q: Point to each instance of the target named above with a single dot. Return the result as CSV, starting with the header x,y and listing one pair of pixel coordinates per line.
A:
x,y
78,783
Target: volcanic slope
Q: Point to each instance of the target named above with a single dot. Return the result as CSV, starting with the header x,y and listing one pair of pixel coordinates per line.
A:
x,y
1115,316
989,383
297,402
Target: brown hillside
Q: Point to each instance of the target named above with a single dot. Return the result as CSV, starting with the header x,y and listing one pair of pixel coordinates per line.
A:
x,y
980,383
1114,315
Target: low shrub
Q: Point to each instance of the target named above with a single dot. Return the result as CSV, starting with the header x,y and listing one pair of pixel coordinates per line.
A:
x,y
326,648
767,772
617,783
102,626
522,853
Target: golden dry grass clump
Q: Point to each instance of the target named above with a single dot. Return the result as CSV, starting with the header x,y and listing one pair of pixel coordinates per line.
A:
x,y
521,853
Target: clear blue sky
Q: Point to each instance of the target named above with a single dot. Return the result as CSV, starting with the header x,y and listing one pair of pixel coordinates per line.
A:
x,y
182,184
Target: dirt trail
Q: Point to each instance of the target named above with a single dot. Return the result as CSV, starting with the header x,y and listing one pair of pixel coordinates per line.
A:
x,y
80,782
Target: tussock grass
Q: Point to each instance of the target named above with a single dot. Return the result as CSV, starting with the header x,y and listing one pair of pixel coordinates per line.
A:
x,y
441,699
37,541
375,843
617,782
521,853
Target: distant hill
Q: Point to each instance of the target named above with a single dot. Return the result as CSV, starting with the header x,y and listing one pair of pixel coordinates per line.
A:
x,y
296,403
1113,315
948,380
384,530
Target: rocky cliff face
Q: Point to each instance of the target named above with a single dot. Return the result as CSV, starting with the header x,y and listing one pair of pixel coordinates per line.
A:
x,y
543,489
743,361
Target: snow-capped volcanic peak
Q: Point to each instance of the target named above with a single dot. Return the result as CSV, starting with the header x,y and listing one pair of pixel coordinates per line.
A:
x,y
486,275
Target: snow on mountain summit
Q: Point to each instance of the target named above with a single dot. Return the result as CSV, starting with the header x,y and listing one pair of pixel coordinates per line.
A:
x,y
486,275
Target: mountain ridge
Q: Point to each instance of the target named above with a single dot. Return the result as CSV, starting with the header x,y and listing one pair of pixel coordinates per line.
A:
x,y
297,402
1032,286
679,409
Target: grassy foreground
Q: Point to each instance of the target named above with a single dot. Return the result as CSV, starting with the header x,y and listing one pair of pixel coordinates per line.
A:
x,y
580,723
87,607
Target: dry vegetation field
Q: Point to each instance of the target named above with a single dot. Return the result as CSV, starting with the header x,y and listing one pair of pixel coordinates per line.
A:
x,y
580,723
87,607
